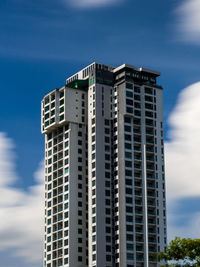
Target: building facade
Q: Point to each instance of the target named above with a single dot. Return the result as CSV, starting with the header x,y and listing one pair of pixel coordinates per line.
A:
x,y
104,169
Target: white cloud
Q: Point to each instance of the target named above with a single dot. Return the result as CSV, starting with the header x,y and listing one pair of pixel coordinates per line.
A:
x,y
189,20
183,149
91,3
183,162
21,212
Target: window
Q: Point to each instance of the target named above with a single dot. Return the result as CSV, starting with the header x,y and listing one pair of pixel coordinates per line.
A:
x,y
129,102
129,110
127,128
128,146
107,193
108,257
108,220
129,256
79,142
129,85
108,239
80,168
129,246
79,240
129,237
128,163
107,139
129,218
108,248
129,94
128,155
107,174
107,166
94,257
108,230
61,94
107,202
129,228
107,148
127,137
129,200
128,182
129,191
107,131
106,122
107,211
129,209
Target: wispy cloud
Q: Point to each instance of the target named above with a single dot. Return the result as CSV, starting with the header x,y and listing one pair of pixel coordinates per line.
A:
x,y
183,149
21,213
91,3
189,20
182,162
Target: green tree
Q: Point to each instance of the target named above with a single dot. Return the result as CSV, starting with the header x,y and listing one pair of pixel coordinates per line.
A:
x,y
181,252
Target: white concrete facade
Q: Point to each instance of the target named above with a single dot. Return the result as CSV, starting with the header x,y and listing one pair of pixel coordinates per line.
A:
x,y
104,169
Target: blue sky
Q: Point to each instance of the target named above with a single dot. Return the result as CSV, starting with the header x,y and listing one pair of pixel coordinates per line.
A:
x,y
43,42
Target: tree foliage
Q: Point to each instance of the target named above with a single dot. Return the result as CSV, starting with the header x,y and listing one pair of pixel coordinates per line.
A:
x,y
182,252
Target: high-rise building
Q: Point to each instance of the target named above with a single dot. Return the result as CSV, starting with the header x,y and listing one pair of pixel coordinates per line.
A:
x,y
104,169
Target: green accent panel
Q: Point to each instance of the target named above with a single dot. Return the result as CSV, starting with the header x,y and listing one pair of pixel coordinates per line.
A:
x,y
79,84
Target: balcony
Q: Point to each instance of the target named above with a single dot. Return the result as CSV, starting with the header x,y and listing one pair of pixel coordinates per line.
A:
x,y
150,212
152,231
46,101
149,148
138,193
151,249
151,221
136,131
149,114
138,211
60,199
139,220
138,184
138,202
151,203
138,258
150,158
150,123
151,194
137,157
150,140
139,248
138,230
139,239
150,176
151,185
137,139
137,166
150,167
148,98
149,132
152,240
137,175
